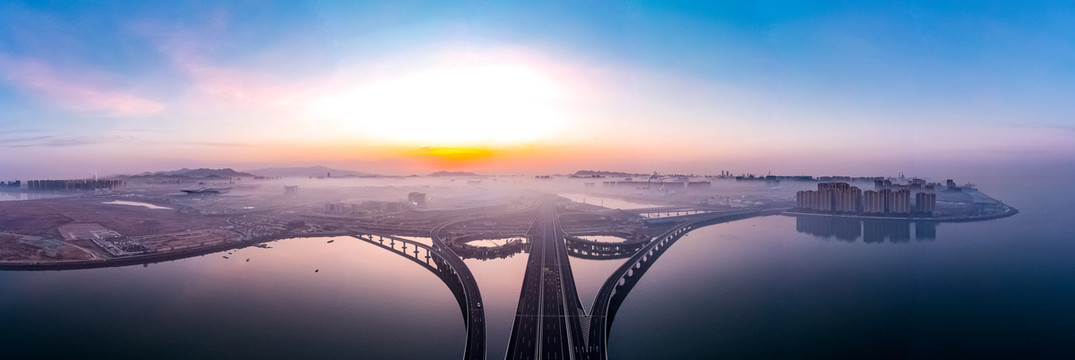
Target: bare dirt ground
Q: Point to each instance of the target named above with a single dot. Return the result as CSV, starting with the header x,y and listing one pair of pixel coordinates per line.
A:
x,y
44,217
22,247
60,229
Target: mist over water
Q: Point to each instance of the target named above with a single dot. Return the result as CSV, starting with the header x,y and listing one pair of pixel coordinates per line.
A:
x,y
759,288
776,286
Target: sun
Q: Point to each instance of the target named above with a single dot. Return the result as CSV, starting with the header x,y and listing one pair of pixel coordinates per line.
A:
x,y
486,105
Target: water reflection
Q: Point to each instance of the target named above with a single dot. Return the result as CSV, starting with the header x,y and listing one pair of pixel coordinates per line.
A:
x,y
17,196
364,302
870,230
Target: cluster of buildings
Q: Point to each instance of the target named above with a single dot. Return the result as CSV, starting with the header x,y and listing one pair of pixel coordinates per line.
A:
x,y
885,199
367,207
664,184
11,184
414,199
72,185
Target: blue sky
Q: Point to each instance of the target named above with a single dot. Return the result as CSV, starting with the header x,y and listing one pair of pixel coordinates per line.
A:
x,y
794,87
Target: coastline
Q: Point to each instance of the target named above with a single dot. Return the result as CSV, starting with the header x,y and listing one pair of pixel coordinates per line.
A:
x,y
152,258
1008,211
157,257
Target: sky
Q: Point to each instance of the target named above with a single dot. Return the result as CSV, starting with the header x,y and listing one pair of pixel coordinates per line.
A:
x,y
504,87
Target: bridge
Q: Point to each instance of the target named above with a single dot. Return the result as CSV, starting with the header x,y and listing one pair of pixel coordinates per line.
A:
x,y
547,322
550,322
620,283
424,255
588,249
475,314
455,274
671,210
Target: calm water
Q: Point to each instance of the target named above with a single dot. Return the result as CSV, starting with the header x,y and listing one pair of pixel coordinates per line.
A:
x,y
17,196
136,203
760,289
772,287
362,302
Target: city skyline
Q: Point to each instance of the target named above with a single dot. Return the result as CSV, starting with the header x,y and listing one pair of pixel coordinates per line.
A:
x,y
825,88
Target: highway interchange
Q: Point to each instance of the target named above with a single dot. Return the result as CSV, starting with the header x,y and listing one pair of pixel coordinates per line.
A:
x,y
550,321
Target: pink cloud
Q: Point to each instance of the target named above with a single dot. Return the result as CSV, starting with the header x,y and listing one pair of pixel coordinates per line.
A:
x,y
230,84
74,92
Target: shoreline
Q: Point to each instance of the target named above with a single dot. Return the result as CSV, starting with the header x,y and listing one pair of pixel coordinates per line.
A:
x,y
152,258
1010,211
158,257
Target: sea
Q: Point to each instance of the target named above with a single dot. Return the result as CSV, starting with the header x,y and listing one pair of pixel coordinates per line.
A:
x,y
768,287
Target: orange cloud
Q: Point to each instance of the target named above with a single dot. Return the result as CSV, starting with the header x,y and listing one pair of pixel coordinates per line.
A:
x,y
453,157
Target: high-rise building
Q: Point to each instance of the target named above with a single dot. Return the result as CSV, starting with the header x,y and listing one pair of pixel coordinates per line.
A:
x,y
925,203
873,202
840,197
832,197
899,202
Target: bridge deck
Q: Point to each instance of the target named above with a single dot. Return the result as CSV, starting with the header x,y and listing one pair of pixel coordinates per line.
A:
x,y
547,322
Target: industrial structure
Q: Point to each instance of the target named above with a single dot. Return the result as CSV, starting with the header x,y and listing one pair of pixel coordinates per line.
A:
x,y
417,198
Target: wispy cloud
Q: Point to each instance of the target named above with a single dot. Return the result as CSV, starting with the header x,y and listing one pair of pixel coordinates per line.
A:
x,y
189,50
213,144
1061,127
61,140
73,92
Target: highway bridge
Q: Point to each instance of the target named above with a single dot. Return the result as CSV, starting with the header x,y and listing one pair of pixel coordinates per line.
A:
x,y
588,249
550,321
453,272
619,284
547,321
475,314
424,255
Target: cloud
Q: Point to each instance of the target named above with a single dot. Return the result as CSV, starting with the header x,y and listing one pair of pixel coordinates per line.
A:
x,y
60,141
189,51
74,92
212,144
1062,127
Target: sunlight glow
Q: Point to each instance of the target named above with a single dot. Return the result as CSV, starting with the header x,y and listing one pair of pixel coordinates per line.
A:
x,y
450,106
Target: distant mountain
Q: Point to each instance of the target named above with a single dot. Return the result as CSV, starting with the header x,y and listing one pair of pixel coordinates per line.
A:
x,y
453,173
591,173
197,173
309,171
